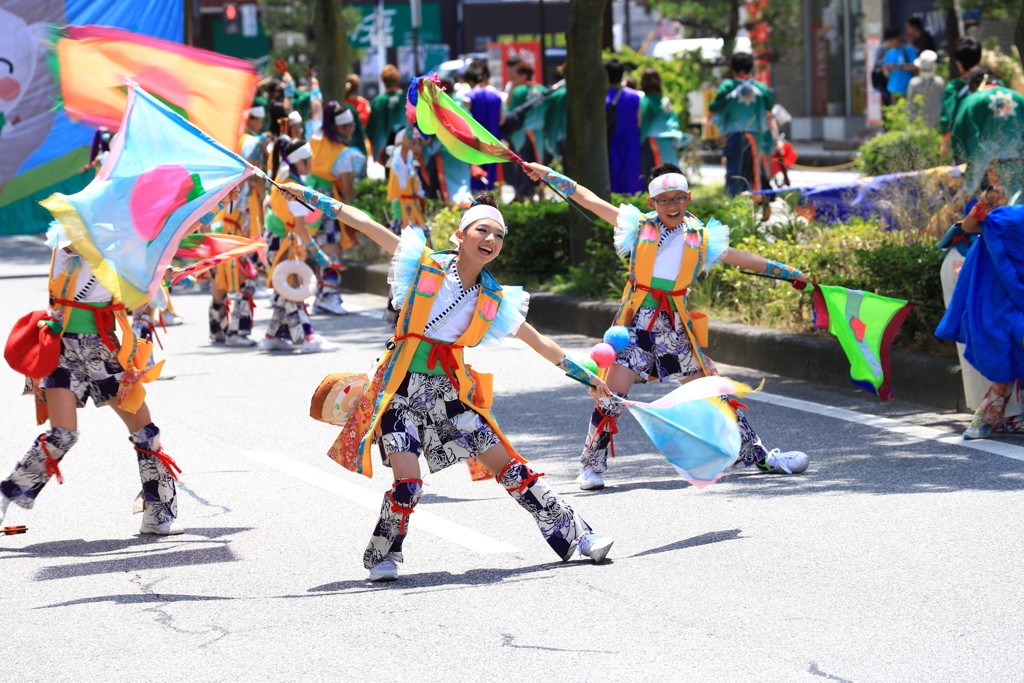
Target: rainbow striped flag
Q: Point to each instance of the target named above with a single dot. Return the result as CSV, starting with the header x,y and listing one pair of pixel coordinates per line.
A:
x,y
435,113
210,90
163,174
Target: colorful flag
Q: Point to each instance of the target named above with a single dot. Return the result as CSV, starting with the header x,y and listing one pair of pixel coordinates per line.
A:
x,y
865,325
162,175
210,250
694,427
210,90
435,113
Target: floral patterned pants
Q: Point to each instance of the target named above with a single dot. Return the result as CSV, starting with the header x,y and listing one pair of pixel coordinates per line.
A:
x,y
289,320
561,527
33,471
664,352
232,316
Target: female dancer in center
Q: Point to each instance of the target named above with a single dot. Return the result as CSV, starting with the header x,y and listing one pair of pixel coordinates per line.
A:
x,y
430,402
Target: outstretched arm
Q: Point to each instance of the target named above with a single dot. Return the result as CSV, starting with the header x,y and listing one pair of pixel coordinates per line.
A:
x,y
582,195
349,215
759,264
554,353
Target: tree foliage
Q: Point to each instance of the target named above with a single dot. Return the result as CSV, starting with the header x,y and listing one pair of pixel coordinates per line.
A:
x,y
723,20
300,16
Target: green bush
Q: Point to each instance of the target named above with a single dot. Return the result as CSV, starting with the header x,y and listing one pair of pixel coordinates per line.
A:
x,y
907,145
858,254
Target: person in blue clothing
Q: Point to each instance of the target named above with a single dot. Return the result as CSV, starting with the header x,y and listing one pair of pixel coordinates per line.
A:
x,y
622,108
483,101
898,64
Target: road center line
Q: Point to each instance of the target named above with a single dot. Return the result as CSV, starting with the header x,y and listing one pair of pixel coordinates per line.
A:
x,y
918,432
425,521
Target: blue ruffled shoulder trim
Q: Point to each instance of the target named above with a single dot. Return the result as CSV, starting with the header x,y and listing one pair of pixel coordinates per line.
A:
x,y
625,228
718,242
404,263
511,314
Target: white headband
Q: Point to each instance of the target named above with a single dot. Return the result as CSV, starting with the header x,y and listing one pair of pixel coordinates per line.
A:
x,y
257,112
478,212
295,118
304,152
669,182
344,118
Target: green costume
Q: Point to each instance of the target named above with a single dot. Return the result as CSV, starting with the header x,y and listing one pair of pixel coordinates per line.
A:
x,y
555,121
534,120
956,90
387,112
659,120
989,129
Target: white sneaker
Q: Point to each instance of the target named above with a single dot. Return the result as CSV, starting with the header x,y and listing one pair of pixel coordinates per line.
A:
x,y
329,303
239,340
385,570
170,320
172,528
595,547
217,338
4,502
792,462
318,345
589,480
274,344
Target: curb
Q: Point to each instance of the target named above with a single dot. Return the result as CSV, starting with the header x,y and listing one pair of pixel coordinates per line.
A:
x,y
926,380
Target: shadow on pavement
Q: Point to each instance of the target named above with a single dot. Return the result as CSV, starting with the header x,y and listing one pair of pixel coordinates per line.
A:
x,y
703,539
473,577
135,599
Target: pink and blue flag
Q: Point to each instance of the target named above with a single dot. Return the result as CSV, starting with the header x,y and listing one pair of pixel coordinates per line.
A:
x,y
162,175
694,427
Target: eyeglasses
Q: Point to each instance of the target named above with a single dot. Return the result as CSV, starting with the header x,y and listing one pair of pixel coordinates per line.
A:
x,y
674,200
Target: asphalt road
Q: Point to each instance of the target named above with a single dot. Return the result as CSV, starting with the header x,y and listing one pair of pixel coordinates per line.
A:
x,y
893,558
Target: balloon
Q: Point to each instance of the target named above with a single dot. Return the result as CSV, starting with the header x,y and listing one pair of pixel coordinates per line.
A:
x,y
603,354
617,337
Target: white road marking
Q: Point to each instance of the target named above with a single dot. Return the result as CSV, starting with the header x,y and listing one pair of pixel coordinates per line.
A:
x,y
432,524
918,432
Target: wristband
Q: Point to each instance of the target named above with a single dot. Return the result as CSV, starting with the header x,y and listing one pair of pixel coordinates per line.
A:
x,y
781,270
575,370
319,255
563,184
322,202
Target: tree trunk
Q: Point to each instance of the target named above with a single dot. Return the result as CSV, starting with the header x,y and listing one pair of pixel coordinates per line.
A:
x,y
586,144
332,49
1018,35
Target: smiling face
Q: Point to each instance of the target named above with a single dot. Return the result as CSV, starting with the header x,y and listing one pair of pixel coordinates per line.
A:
x,y
670,213
17,60
481,241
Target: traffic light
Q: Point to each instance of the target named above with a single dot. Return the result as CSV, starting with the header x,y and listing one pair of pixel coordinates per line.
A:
x,y
232,20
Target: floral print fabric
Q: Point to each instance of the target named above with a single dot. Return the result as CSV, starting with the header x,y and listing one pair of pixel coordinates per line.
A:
x,y
87,368
561,527
159,494
393,523
30,474
664,352
426,416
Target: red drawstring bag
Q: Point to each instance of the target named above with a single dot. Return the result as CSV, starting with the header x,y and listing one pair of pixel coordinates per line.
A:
x,y
33,347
